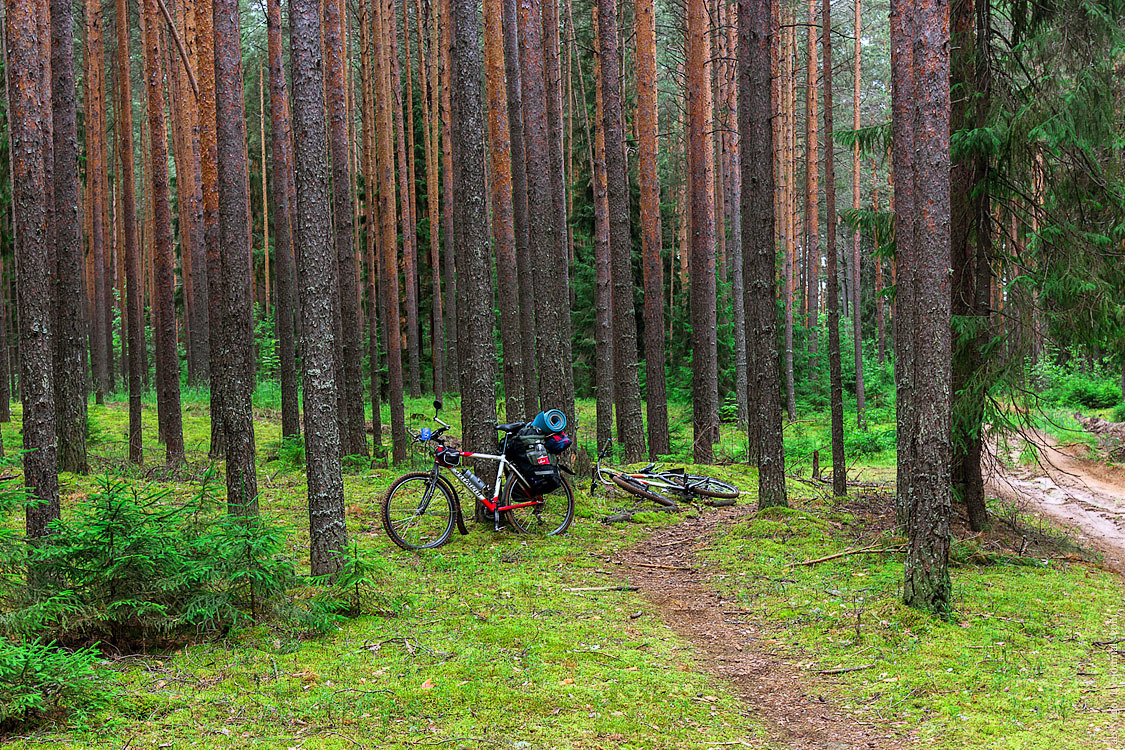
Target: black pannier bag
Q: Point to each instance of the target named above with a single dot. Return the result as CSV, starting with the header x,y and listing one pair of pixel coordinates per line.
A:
x,y
528,453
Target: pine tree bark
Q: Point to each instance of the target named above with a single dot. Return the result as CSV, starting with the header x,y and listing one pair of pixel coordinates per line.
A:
x,y
630,427
281,145
393,321
209,173
428,73
452,364
406,218
200,342
28,133
133,282
880,320
603,265
95,189
552,316
316,273
164,311
902,126
659,442
705,393
790,210
503,220
477,354
926,571
835,374
812,200
756,35
369,62
519,208
234,234
353,437
69,329
857,313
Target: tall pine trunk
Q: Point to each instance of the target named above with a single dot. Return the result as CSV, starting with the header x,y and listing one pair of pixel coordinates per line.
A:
x,y
95,192
69,333
503,226
926,571
234,234
383,30
209,172
835,374
812,200
630,427
28,106
282,146
316,275
857,275
603,267
705,394
477,353
902,127
659,442
519,208
552,315
164,261
353,436
756,107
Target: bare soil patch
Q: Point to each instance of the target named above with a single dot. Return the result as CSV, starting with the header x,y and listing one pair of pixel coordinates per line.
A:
x,y
792,703
1085,495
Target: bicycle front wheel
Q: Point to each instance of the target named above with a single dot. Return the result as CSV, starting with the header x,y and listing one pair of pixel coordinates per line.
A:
x,y
418,512
709,487
552,514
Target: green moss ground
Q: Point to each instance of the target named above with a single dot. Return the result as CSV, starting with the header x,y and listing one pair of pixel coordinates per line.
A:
x,y
478,644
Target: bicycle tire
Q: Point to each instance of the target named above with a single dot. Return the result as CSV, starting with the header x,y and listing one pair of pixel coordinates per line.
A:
x,y
542,520
430,529
634,487
709,486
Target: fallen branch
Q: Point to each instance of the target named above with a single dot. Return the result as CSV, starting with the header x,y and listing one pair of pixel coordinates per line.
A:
x,y
725,502
842,670
872,550
603,588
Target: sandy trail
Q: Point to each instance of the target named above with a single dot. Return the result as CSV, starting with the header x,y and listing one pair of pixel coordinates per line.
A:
x,y
1086,496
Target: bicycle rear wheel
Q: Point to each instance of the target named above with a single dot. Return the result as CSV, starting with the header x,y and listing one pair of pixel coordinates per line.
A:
x,y
551,517
640,489
418,512
709,487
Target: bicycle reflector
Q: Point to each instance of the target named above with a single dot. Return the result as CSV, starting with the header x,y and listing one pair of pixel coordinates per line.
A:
x,y
425,433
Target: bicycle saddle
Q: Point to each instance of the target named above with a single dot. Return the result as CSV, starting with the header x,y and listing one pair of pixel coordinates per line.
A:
x,y
648,468
511,427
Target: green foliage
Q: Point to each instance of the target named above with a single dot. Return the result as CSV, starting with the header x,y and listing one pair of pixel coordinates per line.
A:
x,y
1065,379
134,567
269,363
40,683
1119,412
291,453
356,588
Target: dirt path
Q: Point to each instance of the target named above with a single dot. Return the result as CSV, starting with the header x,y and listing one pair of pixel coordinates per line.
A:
x,y
1084,495
795,712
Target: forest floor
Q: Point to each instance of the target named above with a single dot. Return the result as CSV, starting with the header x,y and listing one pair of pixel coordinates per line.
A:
x,y
741,634
1065,483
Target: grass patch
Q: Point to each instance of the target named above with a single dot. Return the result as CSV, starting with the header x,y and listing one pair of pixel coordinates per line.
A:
x,y
1019,667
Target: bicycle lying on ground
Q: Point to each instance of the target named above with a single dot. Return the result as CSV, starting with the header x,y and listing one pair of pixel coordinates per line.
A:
x,y
421,508
654,484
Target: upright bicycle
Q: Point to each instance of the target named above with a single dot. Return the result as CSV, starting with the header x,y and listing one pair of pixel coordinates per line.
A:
x,y
660,486
421,508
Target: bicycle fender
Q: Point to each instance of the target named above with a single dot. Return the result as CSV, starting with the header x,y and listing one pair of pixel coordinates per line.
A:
x,y
456,504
